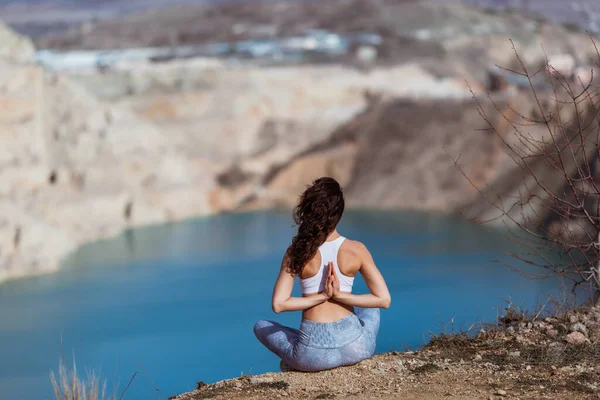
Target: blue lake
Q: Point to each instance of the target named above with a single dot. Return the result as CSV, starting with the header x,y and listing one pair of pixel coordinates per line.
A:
x,y
176,303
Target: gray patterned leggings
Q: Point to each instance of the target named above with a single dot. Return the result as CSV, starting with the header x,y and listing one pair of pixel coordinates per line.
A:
x,y
317,346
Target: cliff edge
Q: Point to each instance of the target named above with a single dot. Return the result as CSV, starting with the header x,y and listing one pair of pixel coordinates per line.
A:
x,y
555,357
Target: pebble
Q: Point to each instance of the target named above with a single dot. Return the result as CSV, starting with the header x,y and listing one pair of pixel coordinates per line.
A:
x,y
256,381
579,327
552,332
573,319
501,392
539,325
514,354
478,357
576,338
592,387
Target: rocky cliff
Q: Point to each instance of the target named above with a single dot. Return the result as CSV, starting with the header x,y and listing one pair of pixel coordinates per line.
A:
x,y
86,155
15,48
534,358
74,169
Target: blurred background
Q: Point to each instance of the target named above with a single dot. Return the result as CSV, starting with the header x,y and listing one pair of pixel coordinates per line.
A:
x,y
171,139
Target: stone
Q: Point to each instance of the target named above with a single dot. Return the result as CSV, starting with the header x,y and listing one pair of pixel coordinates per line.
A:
x,y
592,387
579,327
573,319
576,338
553,333
501,392
478,357
514,354
257,380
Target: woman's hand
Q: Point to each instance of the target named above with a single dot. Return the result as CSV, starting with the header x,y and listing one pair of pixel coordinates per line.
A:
x,y
328,290
332,284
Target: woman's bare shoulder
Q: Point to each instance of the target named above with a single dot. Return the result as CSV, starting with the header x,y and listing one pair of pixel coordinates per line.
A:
x,y
355,247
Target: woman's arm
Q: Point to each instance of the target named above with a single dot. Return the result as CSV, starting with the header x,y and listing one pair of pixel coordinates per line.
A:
x,y
282,300
379,296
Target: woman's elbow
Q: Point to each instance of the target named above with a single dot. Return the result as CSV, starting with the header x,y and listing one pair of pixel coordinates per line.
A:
x,y
277,307
386,301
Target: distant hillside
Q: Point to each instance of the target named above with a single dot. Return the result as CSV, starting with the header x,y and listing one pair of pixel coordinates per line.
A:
x,y
581,13
55,24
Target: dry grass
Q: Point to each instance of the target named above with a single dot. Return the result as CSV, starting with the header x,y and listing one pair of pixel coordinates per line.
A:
x,y
517,332
68,385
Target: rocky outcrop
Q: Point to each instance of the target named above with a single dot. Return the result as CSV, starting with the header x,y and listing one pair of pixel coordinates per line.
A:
x,y
14,47
401,153
74,169
226,113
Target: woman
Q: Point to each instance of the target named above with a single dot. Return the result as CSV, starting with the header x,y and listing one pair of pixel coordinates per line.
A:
x,y
338,327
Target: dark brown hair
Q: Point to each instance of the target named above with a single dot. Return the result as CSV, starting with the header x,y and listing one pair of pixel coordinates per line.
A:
x,y
318,212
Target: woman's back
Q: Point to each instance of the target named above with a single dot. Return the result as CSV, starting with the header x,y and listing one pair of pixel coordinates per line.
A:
x,y
345,258
338,327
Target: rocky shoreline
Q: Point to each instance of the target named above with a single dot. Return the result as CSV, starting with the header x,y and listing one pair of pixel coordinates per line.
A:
x,y
536,357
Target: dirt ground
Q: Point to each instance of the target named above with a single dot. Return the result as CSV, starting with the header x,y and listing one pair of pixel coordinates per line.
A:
x,y
556,357
413,376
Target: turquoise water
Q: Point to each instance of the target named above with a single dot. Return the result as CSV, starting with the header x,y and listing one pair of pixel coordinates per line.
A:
x,y
176,303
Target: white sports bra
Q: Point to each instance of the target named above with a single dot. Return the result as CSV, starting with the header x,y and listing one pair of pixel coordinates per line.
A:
x,y
316,283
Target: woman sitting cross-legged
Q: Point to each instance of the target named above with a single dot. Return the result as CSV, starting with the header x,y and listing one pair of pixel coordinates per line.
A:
x,y
338,327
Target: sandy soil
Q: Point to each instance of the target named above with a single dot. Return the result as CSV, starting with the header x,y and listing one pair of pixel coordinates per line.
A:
x,y
413,376
556,357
